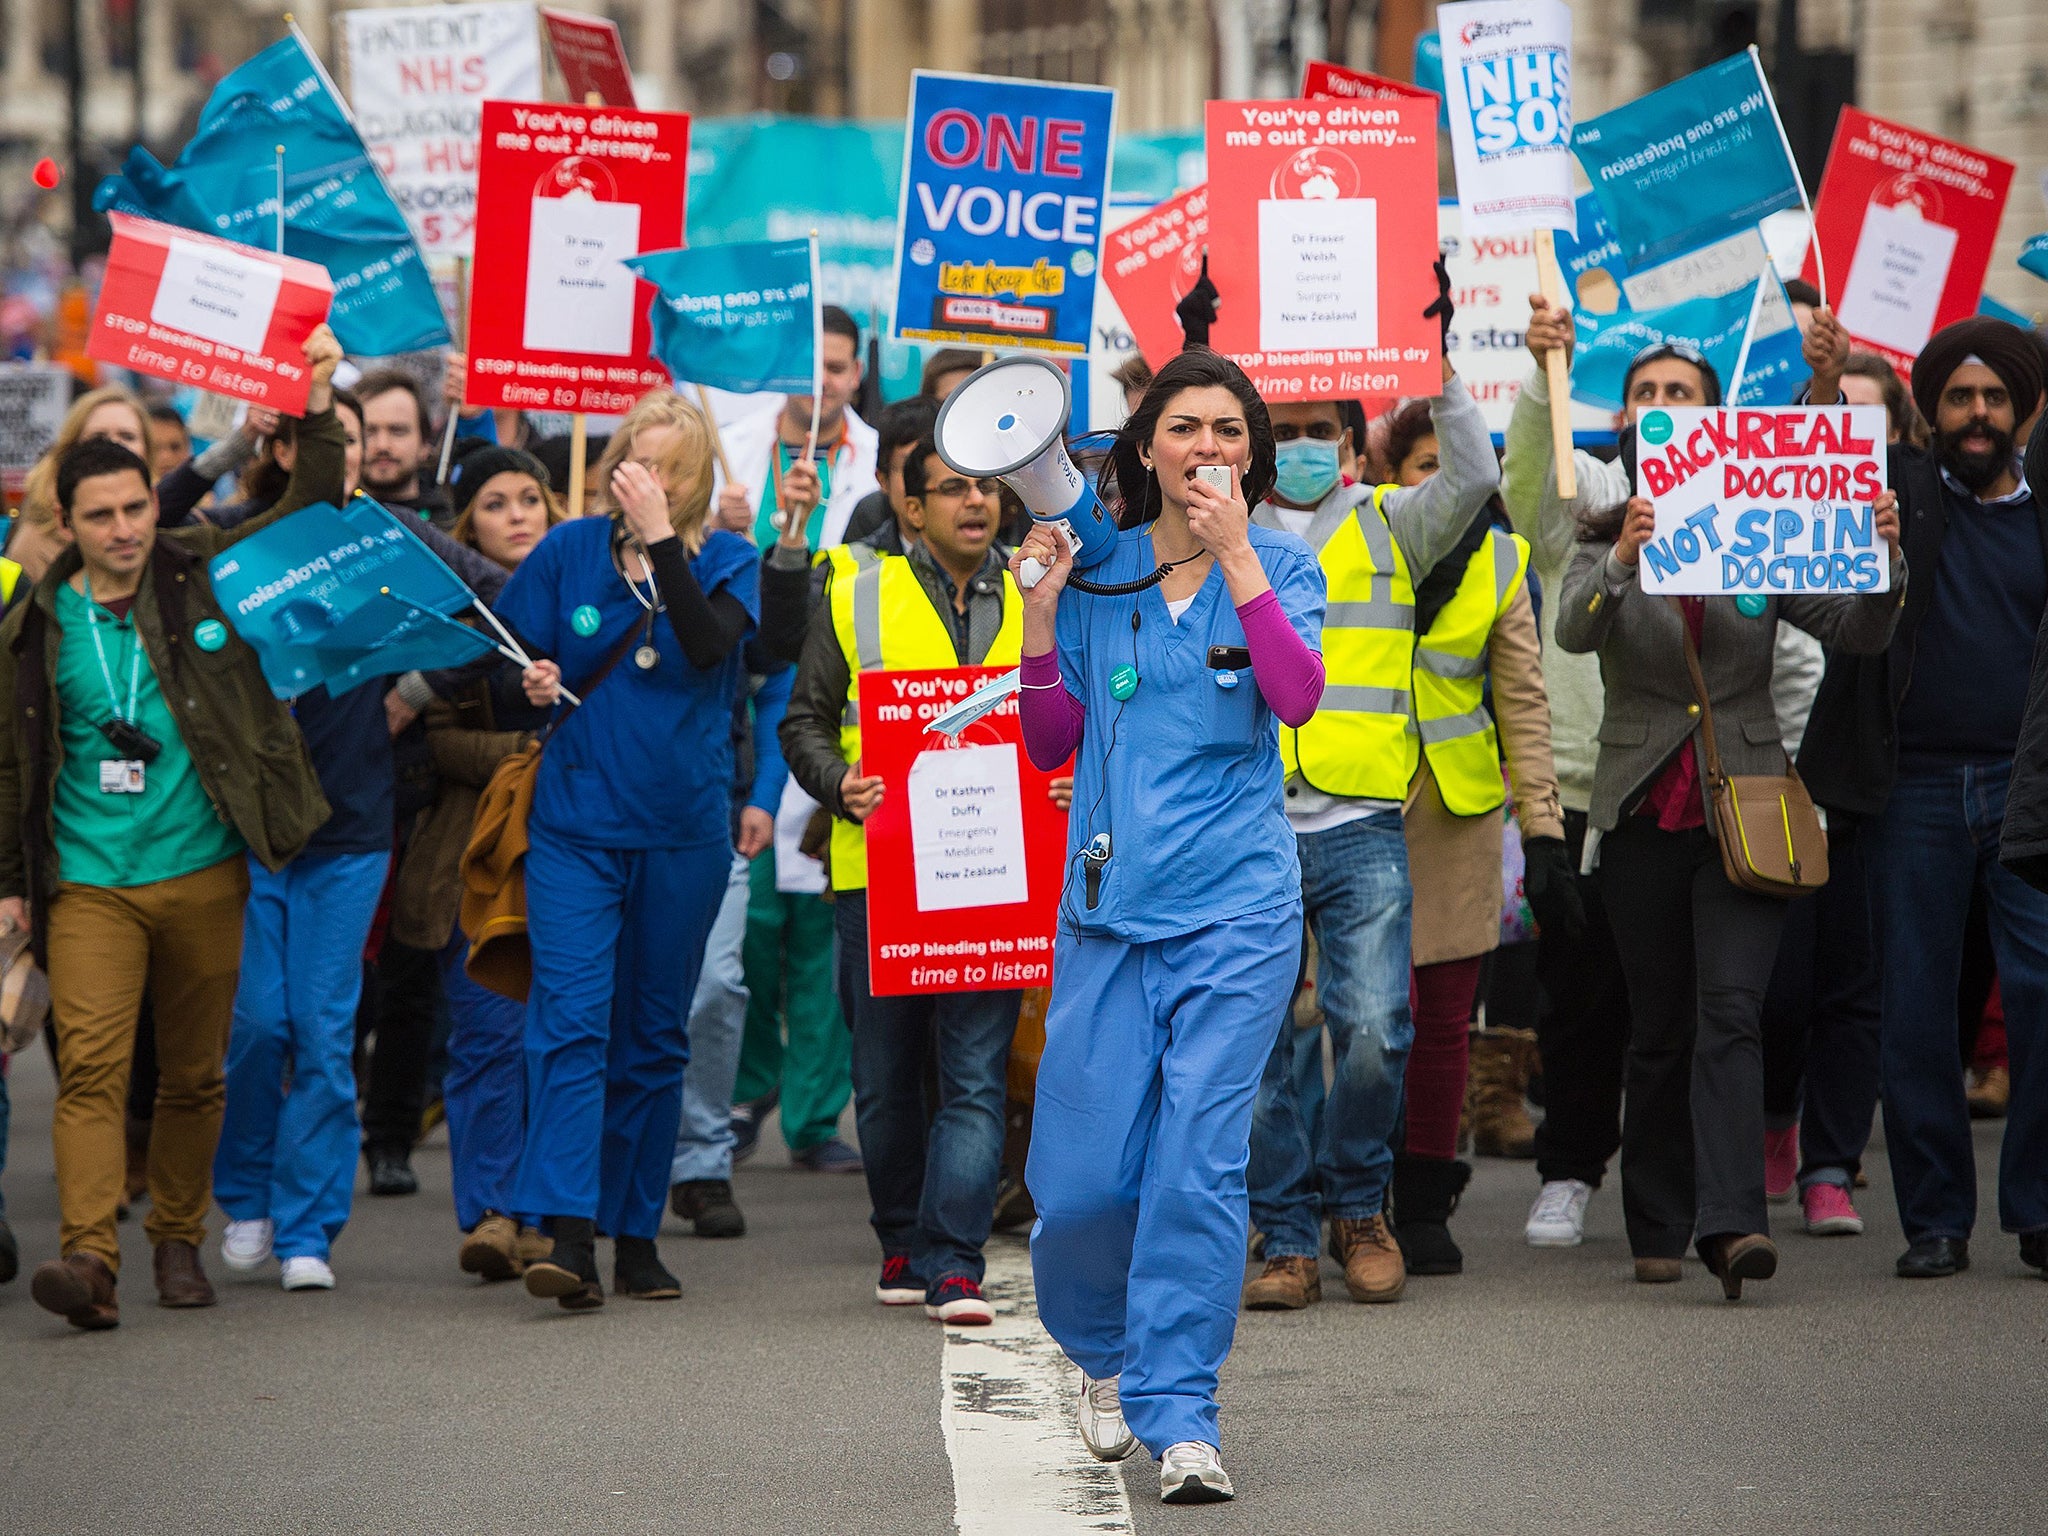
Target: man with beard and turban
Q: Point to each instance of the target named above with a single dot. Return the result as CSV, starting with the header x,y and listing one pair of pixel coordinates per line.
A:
x,y
1921,740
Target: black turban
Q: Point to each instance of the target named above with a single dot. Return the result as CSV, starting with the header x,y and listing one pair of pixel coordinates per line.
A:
x,y
2011,353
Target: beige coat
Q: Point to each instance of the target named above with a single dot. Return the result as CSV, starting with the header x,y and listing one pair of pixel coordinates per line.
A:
x,y
1454,861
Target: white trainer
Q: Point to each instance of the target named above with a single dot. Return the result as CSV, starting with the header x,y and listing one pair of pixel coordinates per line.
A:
x,y
246,1244
1103,1429
1558,1218
1192,1473
307,1273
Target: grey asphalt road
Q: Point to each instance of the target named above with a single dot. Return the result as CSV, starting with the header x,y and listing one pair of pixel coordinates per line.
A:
x,y
1539,1392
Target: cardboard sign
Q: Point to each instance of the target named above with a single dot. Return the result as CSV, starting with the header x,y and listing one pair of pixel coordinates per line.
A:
x,y
1508,84
219,316
33,400
1322,238
1323,81
966,852
1150,264
1905,222
1000,221
417,79
1763,501
555,322
591,56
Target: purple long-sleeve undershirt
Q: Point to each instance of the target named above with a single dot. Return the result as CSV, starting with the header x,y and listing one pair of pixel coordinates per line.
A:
x,y
1289,675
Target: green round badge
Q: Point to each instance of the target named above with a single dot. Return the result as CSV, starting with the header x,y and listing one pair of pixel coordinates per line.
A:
x,y
1655,427
584,621
209,634
1123,682
1750,605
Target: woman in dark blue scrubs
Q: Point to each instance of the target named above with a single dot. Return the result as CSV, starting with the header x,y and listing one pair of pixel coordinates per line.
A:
x,y
629,834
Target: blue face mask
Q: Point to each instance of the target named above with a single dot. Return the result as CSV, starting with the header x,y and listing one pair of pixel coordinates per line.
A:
x,y
1307,470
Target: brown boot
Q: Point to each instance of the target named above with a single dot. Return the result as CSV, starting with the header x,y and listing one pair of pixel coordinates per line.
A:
x,y
1502,1060
534,1245
180,1282
1286,1285
1373,1270
79,1288
1989,1092
492,1250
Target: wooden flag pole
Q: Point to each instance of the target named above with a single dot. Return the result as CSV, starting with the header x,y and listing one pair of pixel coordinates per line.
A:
x,y
462,320
1558,372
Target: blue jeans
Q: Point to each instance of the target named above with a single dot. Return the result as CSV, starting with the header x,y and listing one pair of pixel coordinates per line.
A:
x,y
483,1090
291,1156
1354,885
1936,839
718,1022
931,1175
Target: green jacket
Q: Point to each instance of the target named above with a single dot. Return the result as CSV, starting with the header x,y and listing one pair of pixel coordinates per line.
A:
x,y
248,751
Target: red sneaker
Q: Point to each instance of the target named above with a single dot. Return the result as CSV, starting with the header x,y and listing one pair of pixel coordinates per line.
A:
x,y
957,1300
1829,1213
1781,1164
898,1287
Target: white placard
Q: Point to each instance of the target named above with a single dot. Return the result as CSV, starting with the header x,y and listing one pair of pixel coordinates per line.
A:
x,y
1508,94
33,400
796,872
967,828
1318,273
578,297
216,295
1896,278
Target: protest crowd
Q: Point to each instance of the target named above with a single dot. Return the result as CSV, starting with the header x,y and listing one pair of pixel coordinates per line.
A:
x,y
1401,786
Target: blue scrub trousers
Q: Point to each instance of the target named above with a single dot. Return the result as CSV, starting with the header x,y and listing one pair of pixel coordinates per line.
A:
x,y
483,1091
618,937
1140,1137
291,1155
718,1023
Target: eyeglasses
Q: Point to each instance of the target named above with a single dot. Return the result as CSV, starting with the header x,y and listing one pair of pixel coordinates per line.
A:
x,y
955,489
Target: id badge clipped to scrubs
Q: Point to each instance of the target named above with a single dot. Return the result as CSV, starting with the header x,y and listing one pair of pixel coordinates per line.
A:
x,y
121,775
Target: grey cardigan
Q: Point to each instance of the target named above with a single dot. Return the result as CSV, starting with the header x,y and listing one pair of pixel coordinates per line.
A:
x,y
1651,708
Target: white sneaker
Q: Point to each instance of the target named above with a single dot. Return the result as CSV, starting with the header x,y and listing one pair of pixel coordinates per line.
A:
x,y
246,1244
1192,1473
307,1273
1558,1218
1103,1429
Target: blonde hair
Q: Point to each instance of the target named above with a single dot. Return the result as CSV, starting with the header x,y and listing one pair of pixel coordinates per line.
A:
x,y
684,469
39,493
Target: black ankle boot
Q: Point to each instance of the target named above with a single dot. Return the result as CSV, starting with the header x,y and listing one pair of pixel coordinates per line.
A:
x,y
569,1273
637,1271
1425,1192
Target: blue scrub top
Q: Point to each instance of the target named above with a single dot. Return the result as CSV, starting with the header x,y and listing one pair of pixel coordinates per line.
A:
x,y
1185,774
647,761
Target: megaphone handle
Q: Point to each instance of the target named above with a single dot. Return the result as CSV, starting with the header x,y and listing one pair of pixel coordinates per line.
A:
x,y
1030,573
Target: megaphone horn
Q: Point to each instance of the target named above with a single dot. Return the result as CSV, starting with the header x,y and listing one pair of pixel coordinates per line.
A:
x,y
1008,419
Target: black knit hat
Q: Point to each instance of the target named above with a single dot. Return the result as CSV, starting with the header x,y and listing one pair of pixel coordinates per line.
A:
x,y
2008,351
468,476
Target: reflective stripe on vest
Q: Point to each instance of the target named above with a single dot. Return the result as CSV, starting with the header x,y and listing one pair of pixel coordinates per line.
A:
x,y
885,622
1450,677
1361,741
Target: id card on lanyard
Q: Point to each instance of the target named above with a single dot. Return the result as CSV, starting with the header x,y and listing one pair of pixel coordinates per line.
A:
x,y
125,774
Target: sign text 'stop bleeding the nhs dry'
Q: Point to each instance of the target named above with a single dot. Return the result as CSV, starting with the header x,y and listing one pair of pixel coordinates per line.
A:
x,y
1763,501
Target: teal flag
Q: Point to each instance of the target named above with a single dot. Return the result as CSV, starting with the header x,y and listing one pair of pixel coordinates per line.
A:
x,y
1713,327
741,316
2034,256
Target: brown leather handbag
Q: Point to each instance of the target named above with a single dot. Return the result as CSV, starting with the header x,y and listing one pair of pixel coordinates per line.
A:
x,y
1772,842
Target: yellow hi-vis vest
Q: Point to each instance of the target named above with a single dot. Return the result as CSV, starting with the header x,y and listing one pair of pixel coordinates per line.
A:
x,y
10,578
1360,743
1450,676
886,623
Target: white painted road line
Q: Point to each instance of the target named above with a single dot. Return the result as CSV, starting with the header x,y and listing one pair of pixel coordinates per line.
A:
x,y
1007,1404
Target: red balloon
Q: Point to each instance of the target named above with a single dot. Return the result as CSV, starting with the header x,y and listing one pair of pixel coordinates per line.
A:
x,y
46,173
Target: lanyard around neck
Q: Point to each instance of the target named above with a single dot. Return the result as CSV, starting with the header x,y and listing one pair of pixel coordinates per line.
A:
x,y
92,623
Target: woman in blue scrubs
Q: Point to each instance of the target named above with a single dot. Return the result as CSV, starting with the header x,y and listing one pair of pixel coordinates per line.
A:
x,y
630,838
1180,921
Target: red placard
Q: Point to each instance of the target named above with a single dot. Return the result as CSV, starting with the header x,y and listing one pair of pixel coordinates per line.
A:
x,y
1151,263
956,824
1322,234
1324,81
555,323
591,56
1905,222
223,317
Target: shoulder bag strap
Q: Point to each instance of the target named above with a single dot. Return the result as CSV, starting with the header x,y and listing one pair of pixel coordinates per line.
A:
x,y
1699,692
617,655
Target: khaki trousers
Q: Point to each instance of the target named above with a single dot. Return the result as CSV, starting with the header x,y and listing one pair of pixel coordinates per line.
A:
x,y
182,940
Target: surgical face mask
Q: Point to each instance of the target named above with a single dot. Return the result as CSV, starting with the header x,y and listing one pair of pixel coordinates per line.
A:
x,y
1307,470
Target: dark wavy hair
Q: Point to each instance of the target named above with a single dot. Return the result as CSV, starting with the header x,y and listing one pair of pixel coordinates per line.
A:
x,y
1131,490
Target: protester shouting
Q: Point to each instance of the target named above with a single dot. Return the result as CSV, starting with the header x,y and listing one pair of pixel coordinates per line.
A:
x,y
143,752
643,609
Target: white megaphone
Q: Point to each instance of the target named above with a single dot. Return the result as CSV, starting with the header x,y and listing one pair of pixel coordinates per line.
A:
x,y
1008,419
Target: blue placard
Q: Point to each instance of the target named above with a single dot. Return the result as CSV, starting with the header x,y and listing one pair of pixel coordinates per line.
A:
x,y
2034,256
999,228
742,316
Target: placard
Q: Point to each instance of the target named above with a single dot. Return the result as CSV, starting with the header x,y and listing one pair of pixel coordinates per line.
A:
x,y
1508,86
966,852
556,323
1150,264
1323,81
209,313
999,228
591,56
1322,238
1763,501
1905,223
417,79
33,400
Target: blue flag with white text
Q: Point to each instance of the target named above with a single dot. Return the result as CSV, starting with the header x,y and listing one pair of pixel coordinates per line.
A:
x,y
742,316
2034,256
337,210
1607,344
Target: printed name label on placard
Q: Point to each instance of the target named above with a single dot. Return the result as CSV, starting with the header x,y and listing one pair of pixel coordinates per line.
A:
x,y
211,293
1318,273
967,828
